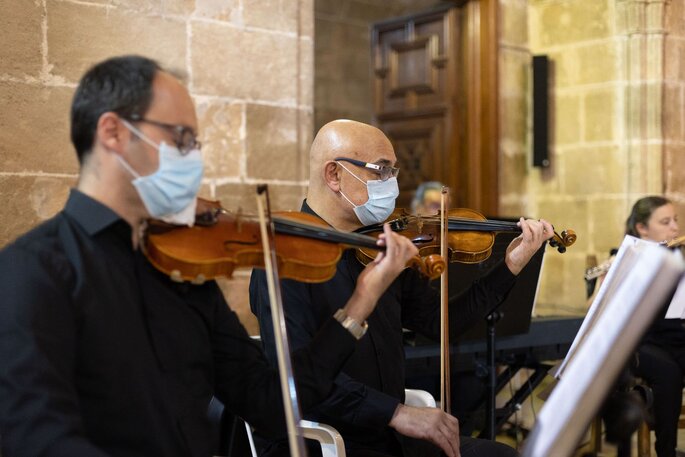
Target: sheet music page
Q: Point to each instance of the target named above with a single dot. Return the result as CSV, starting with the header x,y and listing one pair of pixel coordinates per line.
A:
x,y
676,310
626,257
648,275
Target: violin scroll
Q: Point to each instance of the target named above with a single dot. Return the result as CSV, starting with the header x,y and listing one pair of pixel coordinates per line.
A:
x,y
563,241
431,266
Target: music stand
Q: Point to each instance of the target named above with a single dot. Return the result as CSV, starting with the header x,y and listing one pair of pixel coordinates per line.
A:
x,y
517,307
511,318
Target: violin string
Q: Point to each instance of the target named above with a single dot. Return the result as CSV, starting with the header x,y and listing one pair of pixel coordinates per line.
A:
x,y
474,224
482,226
291,227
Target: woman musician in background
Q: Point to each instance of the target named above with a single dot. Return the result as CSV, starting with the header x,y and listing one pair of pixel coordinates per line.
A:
x,y
660,358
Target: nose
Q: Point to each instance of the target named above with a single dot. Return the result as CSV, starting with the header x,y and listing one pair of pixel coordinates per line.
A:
x,y
674,226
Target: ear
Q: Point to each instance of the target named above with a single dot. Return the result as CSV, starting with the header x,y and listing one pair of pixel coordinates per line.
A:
x,y
641,229
111,133
331,175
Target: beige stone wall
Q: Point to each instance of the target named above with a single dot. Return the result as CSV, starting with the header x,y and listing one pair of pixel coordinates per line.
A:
x,y
606,119
674,105
343,54
249,67
584,189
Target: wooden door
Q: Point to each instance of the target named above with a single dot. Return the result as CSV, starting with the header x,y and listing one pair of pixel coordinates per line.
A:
x,y
429,89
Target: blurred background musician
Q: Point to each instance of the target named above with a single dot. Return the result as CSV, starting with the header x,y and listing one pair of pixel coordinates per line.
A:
x,y
426,201
660,358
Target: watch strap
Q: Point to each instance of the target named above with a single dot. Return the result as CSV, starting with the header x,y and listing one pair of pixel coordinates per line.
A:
x,y
355,328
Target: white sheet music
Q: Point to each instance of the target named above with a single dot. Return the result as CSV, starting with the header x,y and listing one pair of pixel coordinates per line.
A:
x,y
676,310
640,280
626,256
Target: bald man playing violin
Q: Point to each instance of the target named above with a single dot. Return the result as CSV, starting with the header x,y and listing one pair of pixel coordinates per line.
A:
x,y
101,354
353,183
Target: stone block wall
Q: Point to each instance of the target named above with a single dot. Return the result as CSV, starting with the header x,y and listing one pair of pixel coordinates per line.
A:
x,y
584,188
674,105
248,66
616,123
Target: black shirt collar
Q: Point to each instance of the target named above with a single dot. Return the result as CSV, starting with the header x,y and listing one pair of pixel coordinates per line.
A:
x,y
306,209
92,215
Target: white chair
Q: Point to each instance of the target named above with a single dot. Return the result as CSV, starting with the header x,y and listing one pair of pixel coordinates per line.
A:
x,y
332,443
419,398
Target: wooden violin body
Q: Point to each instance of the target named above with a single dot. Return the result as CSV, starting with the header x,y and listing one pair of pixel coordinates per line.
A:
x,y
471,235
307,249
200,253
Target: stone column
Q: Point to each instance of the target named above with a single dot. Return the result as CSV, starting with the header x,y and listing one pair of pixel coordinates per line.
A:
x,y
674,104
640,27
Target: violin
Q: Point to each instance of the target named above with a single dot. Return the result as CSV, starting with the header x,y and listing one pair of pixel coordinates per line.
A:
x,y
308,250
471,235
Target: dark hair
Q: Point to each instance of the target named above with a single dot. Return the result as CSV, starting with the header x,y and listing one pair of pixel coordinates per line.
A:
x,y
120,84
642,211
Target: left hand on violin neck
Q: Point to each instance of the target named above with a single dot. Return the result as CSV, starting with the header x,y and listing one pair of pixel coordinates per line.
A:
x,y
522,248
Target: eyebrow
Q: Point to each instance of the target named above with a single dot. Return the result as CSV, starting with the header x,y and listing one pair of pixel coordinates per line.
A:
x,y
383,162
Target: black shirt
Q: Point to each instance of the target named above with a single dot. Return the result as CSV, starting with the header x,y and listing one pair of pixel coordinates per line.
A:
x,y
101,354
372,383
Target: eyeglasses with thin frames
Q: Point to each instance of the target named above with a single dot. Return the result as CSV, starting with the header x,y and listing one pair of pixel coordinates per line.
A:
x,y
384,171
184,136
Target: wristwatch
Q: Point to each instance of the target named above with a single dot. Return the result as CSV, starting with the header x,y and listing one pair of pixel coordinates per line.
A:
x,y
355,328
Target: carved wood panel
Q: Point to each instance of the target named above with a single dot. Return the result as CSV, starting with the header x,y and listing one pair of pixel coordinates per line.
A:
x,y
435,96
417,144
410,63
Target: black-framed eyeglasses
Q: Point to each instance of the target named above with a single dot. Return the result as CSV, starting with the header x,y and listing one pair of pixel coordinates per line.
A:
x,y
384,171
184,136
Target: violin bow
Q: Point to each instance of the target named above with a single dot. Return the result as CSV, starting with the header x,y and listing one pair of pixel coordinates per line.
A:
x,y
445,397
285,369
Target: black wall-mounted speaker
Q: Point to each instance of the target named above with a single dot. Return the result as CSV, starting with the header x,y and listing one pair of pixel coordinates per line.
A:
x,y
540,111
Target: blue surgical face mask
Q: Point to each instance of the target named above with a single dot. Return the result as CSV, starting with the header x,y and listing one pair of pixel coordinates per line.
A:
x,y
170,193
381,202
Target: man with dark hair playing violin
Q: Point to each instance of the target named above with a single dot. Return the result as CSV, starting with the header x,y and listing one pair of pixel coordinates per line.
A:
x,y
102,355
353,182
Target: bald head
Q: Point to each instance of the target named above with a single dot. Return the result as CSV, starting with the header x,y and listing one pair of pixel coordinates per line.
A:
x,y
350,139
328,179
